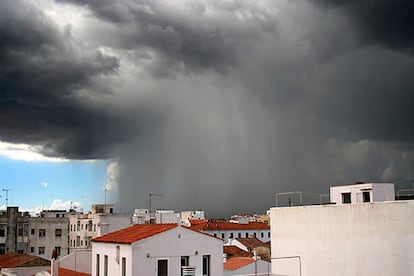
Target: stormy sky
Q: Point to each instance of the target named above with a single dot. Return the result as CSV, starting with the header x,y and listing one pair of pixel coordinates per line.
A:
x,y
217,105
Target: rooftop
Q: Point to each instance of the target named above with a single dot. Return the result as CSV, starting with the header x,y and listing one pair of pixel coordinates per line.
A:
x,y
203,225
135,233
237,262
11,260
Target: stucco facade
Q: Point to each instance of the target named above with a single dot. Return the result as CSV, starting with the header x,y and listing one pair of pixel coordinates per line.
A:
x,y
143,256
347,239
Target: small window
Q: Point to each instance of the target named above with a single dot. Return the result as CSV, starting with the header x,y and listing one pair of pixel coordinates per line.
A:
x,y
58,232
41,250
32,249
58,250
231,235
366,196
106,265
2,233
71,228
123,266
97,264
247,235
239,235
32,231
262,235
42,232
268,234
185,260
222,236
346,198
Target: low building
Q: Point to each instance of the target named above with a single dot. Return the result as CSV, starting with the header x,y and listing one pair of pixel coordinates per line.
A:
x,y
345,239
246,266
232,230
362,193
22,264
157,249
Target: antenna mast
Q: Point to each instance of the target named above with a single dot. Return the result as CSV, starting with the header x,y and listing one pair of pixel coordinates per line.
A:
x,y
7,196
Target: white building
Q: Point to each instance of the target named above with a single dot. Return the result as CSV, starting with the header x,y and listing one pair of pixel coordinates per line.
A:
x,y
344,239
100,221
157,249
246,266
232,230
362,192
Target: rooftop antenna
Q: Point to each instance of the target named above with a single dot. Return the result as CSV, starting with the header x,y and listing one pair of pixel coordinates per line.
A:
x,y
150,195
105,189
7,196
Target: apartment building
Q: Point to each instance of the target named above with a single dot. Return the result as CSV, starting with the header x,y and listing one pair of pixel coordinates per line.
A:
x,y
22,233
101,220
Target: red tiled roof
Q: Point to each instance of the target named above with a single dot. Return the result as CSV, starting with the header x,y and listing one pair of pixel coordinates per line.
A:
x,y
11,260
252,242
234,251
217,226
237,262
135,233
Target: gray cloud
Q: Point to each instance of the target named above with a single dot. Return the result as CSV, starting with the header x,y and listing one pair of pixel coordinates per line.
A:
x,y
216,105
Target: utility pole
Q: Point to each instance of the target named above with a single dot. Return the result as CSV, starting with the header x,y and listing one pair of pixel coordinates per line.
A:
x,y
7,196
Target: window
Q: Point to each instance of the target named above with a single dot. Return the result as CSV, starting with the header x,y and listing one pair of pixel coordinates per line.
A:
x,y
42,232
58,250
81,226
247,235
185,260
58,232
162,267
81,242
2,232
346,198
78,226
231,235
222,236
2,248
268,234
239,235
90,225
206,265
262,235
77,241
366,196
41,250
32,231
19,230
71,228
32,249
97,264
123,266
106,265
57,215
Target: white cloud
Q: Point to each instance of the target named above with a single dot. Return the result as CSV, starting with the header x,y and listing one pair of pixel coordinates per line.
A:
x,y
45,184
112,171
57,204
25,152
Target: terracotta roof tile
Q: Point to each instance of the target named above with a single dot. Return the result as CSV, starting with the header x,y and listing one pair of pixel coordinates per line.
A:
x,y
215,226
11,260
237,262
135,233
234,251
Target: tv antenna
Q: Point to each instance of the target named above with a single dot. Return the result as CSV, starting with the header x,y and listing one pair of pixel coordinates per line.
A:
x,y
7,196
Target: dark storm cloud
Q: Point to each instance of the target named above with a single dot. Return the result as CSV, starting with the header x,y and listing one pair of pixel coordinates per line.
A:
x,y
385,22
217,105
185,35
41,72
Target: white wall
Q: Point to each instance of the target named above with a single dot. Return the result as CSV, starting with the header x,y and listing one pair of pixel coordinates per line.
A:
x,y
79,260
351,239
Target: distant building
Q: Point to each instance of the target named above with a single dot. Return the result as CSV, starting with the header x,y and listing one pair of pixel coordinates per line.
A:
x,y
22,264
232,230
101,220
21,233
157,249
356,238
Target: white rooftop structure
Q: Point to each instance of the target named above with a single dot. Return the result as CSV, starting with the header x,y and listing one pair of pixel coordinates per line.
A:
x,y
362,192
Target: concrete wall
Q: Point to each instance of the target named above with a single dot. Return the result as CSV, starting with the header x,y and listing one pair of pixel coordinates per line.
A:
x,y
142,256
79,260
351,239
